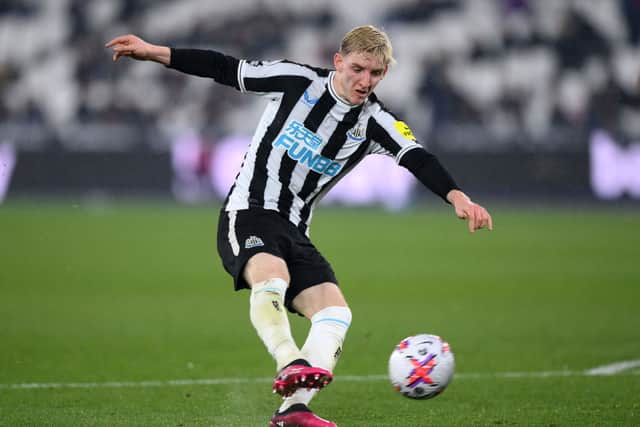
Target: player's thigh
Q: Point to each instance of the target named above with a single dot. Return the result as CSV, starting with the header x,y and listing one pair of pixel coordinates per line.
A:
x,y
253,245
315,298
264,266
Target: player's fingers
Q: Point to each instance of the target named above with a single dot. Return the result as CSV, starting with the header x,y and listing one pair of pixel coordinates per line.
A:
x,y
121,52
123,47
481,220
124,51
113,42
486,219
117,40
484,223
472,221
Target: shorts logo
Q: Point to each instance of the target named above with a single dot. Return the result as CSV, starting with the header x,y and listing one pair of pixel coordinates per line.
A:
x,y
252,242
302,146
357,133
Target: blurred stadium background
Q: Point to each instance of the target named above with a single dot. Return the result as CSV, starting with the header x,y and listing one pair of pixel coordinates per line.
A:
x,y
115,311
521,99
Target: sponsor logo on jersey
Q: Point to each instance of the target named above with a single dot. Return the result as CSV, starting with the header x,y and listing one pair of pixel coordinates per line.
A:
x,y
302,146
300,133
404,130
252,242
307,98
357,133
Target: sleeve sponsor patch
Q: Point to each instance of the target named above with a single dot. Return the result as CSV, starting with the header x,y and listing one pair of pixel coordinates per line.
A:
x,y
257,63
404,130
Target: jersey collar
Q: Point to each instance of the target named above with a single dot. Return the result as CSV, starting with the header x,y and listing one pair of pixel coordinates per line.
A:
x,y
340,100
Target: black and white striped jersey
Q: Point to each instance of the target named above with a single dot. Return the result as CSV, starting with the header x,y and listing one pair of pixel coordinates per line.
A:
x,y
308,137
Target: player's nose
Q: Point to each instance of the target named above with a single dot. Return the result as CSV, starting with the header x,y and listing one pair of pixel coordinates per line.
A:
x,y
366,79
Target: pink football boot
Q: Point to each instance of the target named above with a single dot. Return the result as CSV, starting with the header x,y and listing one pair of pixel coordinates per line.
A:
x,y
299,374
299,415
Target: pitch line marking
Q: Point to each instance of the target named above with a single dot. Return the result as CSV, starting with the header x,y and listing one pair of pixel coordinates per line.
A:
x,y
614,368
618,368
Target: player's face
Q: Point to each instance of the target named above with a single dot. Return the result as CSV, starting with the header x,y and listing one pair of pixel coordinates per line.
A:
x,y
357,74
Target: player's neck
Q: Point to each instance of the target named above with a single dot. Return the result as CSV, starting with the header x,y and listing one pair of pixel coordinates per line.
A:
x,y
336,90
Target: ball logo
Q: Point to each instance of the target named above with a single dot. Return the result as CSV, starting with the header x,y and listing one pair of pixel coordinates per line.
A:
x,y
421,372
404,130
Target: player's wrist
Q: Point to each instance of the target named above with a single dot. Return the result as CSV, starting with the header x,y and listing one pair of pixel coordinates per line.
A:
x,y
161,54
457,196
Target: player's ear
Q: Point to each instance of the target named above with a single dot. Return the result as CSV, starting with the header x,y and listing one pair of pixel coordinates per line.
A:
x,y
338,61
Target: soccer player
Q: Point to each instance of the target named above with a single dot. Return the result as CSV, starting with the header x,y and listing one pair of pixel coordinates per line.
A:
x,y
318,124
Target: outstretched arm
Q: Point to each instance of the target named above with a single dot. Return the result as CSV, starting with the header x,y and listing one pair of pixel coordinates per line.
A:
x,y
395,138
428,169
198,62
136,48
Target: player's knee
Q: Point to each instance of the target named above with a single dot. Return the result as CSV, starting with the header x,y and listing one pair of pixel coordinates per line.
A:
x,y
317,298
265,266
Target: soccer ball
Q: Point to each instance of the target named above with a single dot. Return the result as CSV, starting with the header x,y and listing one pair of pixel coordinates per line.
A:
x,y
421,366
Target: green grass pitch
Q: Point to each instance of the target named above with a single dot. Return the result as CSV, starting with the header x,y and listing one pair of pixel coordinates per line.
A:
x,y
103,310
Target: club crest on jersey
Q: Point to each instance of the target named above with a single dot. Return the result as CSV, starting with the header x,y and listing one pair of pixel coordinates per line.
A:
x,y
302,145
357,133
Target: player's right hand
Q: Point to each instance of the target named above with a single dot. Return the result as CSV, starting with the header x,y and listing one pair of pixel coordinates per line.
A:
x,y
131,46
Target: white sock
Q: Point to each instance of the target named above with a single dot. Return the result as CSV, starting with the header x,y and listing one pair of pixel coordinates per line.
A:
x,y
269,317
323,346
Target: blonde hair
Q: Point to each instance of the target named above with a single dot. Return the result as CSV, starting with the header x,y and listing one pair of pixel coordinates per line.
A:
x,y
369,39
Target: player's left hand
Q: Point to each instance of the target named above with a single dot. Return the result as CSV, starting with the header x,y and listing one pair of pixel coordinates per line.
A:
x,y
477,217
